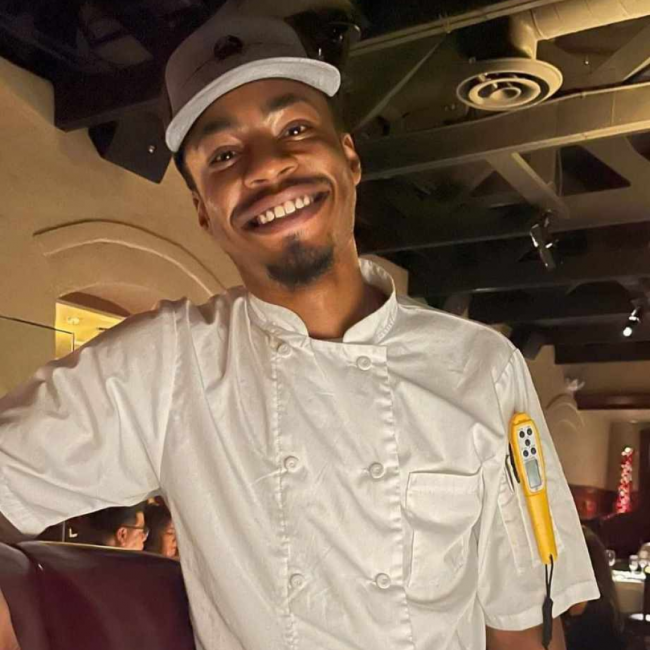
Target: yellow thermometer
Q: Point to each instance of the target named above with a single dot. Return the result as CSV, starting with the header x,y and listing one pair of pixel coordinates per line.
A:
x,y
526,453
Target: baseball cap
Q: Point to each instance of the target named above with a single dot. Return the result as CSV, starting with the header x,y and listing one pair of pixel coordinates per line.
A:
x,y
228,52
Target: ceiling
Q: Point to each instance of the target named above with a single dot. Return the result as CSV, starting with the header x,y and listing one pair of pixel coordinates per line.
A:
x,y
537,217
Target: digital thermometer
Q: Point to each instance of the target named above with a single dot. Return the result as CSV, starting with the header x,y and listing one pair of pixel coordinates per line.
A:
x,y
528,458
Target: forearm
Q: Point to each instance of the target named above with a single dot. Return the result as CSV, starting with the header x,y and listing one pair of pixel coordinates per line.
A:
x,y
8,640
530,639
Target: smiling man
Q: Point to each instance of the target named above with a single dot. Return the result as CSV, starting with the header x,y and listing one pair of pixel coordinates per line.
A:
x,y
334,457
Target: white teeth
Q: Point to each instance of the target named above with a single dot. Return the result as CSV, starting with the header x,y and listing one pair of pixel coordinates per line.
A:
x,y
288,207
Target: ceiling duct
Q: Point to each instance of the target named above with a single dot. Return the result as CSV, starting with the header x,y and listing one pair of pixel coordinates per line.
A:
x,y
505,84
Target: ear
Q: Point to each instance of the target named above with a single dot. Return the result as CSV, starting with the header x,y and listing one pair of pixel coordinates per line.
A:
x,y
120,536
350,152
199,206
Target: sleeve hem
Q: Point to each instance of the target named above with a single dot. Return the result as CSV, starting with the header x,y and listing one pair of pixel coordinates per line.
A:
x,y
15,512
532,616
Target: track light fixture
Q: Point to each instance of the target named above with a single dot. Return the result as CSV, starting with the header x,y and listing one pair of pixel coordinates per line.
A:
x,y
633,320
543,241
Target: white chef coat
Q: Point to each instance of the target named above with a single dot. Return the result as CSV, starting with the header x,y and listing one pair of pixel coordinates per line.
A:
x,y
326,495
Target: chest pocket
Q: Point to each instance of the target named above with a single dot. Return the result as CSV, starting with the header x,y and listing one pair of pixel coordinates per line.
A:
x,y
442,510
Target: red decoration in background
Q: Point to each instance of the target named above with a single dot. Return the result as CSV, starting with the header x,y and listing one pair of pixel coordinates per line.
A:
x,y
624,494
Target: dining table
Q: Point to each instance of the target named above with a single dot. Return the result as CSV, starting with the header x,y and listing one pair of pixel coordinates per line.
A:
x,y
629,589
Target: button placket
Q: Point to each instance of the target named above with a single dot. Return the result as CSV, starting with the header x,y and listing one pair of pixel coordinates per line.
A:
x,y
291,464
377,470
382,580
364,363
296,581
284,350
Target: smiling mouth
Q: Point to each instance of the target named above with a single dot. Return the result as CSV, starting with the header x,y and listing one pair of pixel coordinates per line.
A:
x,y
291,208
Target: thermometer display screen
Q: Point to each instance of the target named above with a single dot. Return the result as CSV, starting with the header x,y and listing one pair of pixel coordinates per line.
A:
x,y
534,477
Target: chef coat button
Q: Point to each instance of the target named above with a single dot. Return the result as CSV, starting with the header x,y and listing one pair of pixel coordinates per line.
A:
x,y
291,463
377,470
382,581
363,363
284,350
297,580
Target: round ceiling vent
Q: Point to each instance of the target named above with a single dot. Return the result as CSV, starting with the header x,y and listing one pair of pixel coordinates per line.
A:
x,y
507,84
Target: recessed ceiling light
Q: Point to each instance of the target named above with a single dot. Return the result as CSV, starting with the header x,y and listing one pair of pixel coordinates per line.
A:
x,y
73,320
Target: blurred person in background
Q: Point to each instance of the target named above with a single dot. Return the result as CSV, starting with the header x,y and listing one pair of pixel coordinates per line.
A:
x,y
118,527
597,624
162,533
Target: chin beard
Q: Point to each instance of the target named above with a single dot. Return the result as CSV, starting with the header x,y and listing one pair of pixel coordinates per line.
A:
x,y
301,265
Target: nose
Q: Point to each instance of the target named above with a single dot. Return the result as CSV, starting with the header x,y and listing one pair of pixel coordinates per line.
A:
x,y
268,163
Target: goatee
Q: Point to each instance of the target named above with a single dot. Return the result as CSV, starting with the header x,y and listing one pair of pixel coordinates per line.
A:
x,y
301,265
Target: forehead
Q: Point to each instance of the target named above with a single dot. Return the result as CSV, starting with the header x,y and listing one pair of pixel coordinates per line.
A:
x,y
256,100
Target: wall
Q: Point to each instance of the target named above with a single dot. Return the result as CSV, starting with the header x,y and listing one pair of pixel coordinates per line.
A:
x,y
581,438
52,180
633,376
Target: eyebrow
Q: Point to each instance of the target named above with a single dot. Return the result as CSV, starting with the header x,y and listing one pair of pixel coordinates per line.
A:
x,y
216,126
281,102
274,105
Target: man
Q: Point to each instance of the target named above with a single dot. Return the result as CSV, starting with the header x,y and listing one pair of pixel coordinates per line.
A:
x,y
334,457
119,527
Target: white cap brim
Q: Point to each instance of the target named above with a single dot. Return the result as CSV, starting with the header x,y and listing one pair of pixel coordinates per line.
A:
x,y
317,74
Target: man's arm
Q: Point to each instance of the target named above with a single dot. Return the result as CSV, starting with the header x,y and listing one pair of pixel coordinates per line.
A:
x,y
8,640
530,639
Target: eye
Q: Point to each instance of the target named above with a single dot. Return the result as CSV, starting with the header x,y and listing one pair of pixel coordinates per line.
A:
x,y
295,130
223,156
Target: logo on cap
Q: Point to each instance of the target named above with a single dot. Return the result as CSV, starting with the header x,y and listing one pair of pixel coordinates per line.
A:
x,y
227,46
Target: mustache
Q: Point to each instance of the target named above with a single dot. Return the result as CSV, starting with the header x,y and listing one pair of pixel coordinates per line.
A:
x,y
247,204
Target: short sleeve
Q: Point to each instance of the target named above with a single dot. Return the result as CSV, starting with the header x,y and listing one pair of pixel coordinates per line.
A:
x,y
86,432
511,575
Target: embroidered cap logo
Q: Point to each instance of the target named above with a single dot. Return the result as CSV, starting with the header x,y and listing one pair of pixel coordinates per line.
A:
x,y
227,46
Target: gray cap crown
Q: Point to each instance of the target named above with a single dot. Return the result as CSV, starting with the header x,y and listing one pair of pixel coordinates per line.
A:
x,y
228,52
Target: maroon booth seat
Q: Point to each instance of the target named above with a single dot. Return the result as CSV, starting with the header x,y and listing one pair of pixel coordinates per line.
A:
x,y
19,584
78,597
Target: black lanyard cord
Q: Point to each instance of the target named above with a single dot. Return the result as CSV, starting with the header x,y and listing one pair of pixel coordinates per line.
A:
x,y
547,607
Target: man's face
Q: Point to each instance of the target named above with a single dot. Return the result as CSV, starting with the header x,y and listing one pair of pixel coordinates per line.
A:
x,y
276,181
169,546
133,536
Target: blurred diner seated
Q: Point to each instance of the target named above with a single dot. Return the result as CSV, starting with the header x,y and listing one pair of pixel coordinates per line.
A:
x,y
162,534
597,624
123,527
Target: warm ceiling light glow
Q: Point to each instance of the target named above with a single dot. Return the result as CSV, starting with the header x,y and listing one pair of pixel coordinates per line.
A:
x,y
73,320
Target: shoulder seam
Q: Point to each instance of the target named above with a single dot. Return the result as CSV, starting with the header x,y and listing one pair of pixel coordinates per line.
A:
x,y
172,387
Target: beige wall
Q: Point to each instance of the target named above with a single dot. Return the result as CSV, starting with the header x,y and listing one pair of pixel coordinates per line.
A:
x,y
581,438
633,376
52,182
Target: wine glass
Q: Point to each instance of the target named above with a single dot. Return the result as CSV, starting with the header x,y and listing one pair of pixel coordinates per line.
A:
x,y
634,563
611,557
644,560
